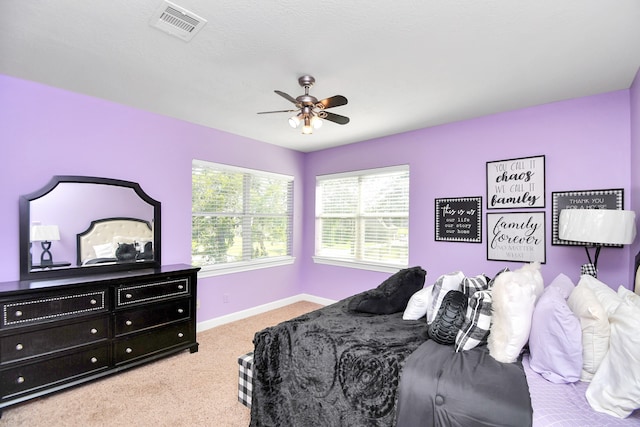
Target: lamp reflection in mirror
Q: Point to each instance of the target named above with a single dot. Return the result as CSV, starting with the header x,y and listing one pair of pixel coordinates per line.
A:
x,y
598,227
45,234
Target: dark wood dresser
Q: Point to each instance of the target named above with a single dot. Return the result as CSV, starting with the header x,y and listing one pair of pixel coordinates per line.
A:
x,y
59,333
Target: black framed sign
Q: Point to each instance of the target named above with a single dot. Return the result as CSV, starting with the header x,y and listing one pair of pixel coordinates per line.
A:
x,y
590,199
516,236
516,183
459,219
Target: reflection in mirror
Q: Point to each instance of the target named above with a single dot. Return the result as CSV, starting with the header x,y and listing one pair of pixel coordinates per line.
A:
x,y
100,223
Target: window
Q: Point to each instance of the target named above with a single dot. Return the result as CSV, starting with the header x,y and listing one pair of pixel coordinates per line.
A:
x,y
241,218
362,218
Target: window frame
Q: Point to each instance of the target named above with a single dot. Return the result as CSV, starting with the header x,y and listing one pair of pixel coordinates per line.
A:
x,y
248,264
359,216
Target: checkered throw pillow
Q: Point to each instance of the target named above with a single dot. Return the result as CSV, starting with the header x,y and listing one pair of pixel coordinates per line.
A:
x,y
477,321
471,285
589,269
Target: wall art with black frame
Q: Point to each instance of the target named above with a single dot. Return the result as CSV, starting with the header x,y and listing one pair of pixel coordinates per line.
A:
x,y
516,183
589,199
459,219
516,236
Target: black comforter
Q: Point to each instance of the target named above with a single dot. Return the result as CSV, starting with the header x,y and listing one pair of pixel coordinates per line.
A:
x,y
331,367
334,367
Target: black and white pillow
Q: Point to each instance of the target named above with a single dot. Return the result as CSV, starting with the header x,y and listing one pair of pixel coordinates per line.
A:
x,y
445,283
471,285
477,323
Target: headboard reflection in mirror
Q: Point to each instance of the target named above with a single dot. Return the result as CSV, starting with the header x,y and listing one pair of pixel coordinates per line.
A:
x,y
112,240
94,218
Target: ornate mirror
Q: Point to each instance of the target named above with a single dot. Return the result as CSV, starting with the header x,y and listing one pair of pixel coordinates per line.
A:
x,y
87,225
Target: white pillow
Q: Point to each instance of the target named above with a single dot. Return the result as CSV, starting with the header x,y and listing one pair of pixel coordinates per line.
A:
x,y
418,304
514,295
631,297
595,328
606,295
104,251
615,388
445,283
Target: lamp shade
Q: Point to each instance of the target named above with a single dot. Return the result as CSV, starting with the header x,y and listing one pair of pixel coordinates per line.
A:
x,y
598,226
45,233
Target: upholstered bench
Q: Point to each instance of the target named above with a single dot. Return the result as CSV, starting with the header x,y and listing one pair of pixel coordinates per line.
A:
x,y
245,378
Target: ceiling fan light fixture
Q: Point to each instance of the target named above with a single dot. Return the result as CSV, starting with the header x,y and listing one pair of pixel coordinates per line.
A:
x,y
294,121
307,129
311,112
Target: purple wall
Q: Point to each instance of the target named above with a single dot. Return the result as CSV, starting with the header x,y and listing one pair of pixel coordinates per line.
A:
x,y
586,142
635,157
47,131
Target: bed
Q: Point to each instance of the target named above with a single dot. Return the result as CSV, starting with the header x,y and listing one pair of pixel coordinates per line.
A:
x,y
115,240
360,362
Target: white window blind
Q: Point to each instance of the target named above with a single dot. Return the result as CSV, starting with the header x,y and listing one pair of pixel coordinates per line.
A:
x,y
364,216
239,215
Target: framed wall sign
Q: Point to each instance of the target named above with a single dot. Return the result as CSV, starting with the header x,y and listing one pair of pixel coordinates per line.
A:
x,y
516,183
591,199
516,236
459,219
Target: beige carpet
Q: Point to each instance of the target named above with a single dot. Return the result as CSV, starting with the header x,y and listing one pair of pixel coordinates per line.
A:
x,y
197,389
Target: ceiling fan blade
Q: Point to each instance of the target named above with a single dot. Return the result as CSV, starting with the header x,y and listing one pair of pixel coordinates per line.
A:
x,y
336,118
334,101
279,111
287,96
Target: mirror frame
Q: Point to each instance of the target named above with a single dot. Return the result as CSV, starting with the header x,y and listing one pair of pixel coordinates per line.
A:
x,y
26,273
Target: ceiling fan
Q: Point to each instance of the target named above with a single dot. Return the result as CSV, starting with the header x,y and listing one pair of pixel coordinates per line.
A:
x,y
310,111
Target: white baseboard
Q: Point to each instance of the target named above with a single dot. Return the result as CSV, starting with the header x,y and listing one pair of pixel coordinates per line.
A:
x,y
238,315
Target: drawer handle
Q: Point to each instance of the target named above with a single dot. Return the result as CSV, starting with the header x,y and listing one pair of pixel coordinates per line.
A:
x,y
181,287
94,331
128,296
93,301
180,311
128,350
94,360
19,347
18,313
180,335
128,323
20,380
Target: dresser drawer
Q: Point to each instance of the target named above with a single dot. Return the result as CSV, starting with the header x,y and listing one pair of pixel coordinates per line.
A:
x,y
132,294
137,319
151,342
53,306
64,368
24,345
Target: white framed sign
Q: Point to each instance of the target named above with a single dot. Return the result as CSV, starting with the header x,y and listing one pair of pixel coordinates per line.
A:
x,y
516,183
516,236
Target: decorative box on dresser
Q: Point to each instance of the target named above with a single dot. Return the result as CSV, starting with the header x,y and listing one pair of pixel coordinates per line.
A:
x,y
58,333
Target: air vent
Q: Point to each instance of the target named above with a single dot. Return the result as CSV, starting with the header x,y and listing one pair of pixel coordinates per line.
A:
x,y
177,21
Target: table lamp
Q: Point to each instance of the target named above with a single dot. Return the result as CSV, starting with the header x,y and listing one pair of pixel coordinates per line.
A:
x,y
599,227
45,234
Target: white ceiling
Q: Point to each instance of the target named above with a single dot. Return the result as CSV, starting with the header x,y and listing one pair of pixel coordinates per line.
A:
x,y
403,65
